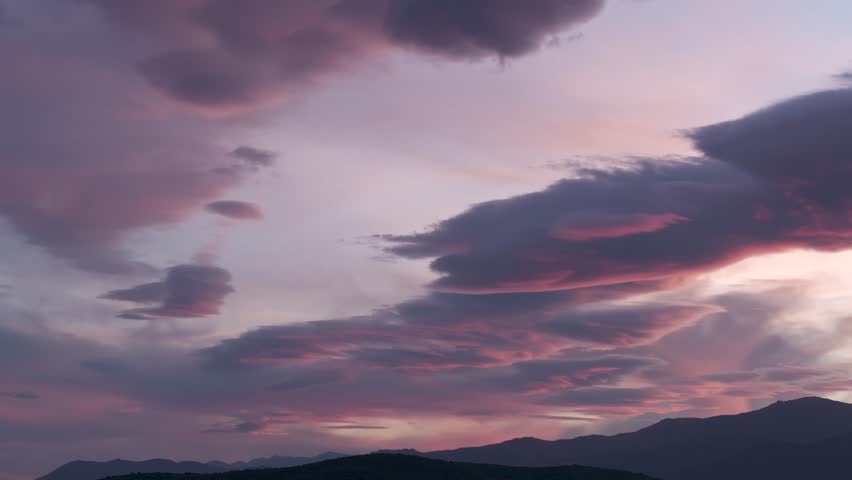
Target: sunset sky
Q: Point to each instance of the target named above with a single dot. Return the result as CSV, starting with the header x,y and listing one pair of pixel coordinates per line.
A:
x,y
238,228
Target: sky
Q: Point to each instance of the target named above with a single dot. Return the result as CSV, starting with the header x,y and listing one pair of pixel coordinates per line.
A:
x,y
232,229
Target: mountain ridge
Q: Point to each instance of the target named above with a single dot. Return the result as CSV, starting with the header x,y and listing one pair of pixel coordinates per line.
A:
x,y
95,470
670,448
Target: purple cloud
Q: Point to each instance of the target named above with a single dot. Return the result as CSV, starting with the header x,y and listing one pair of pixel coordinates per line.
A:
x,y
78,193
241,427
482,28
187,291
451,331
235,209
254,156
265,50
755,192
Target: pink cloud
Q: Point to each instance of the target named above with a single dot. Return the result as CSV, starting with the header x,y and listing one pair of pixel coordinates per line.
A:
x,y
613,226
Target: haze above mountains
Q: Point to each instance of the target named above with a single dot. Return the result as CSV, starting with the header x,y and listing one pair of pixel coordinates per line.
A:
x,y
805,438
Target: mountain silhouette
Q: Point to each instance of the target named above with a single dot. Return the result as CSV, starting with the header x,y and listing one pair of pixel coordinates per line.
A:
x,y
278,461
805,438
796,433
827,459
88,470
383,466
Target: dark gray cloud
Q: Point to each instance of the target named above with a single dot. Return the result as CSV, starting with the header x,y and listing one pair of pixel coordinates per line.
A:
x,y
563,372
801,147
732,377
773,180
189,290
235,209
254,156
525,243
844,77
20,395
602,397
800,143
442,357
477,28
241,427
264,50
247,160
792,374
200,77
357,427
564,418
153,292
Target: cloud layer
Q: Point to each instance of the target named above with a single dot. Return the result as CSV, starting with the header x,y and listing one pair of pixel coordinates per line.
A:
x,y
227,55
550,293
753,193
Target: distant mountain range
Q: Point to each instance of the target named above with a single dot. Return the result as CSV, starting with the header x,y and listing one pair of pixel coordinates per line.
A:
x,y
87,470
805,438
793,440
382,466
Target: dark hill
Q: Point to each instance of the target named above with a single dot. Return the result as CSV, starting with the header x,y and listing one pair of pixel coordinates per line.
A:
x,y
827,459
385,466
87,470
